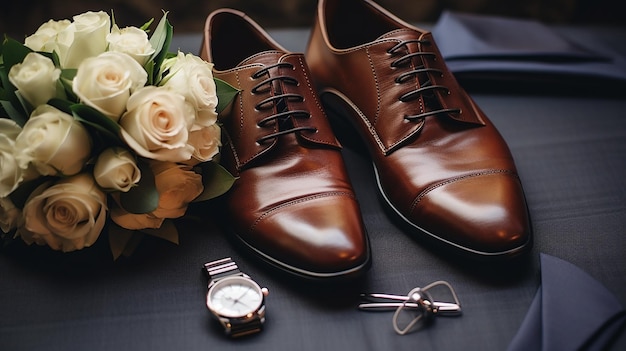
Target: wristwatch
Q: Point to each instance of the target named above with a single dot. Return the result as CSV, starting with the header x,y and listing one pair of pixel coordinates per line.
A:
x,y
236,300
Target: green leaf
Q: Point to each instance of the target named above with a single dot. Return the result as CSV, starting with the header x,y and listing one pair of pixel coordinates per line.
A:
x,y
4,80
67,75
26,106
11,103
160,41
216,180
118,239
13,52
144,197
147,25
225,94
133,243
53,56
167,231
61,104
122,241
149,67
88,115
17,116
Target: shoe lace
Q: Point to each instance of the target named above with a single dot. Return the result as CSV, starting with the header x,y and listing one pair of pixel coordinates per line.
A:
x,y
278,100
426,88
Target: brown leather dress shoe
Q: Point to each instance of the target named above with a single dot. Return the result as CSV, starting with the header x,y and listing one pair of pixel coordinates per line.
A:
x,y
441,166
293,204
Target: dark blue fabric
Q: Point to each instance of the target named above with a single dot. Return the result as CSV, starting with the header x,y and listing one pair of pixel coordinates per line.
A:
x,y
529,335
570,311
504,48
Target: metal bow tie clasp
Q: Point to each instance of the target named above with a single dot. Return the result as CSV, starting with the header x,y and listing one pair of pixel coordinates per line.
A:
x,y
418,301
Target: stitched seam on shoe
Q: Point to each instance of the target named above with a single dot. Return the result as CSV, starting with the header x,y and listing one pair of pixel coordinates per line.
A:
x,y
297,201
422,108
241,110
313,94
384,148
455,179
240,121
308,83
369,125
377,84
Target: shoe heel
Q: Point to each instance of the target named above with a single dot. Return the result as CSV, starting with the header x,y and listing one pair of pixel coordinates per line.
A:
x,y
339,117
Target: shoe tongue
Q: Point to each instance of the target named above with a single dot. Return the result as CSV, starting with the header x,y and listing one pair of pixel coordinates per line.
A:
x,y
402,34
264,57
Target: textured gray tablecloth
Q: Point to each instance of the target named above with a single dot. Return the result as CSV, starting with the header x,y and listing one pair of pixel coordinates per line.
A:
x,y
571,156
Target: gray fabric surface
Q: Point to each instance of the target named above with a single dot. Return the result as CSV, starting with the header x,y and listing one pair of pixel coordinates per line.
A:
x,y
571,155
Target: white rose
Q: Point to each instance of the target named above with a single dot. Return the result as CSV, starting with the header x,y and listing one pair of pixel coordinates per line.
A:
x,y
156,124
192,77
73,41
54,142
84,37
177,185
116,169
67,216
132,41
10,171
206,142
46,38
10,216
105,82
35,78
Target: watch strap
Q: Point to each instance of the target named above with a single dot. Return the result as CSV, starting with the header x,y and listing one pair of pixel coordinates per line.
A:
x,y
251,327
219,269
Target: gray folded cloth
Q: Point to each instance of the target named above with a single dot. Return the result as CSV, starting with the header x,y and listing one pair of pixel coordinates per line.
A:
x,y
570,311
508,49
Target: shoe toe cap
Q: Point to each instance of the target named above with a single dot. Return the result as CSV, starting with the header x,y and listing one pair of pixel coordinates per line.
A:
x,y
484,214
320,236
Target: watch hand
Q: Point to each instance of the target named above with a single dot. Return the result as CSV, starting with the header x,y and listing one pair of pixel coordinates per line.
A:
x,y
244,304
242,295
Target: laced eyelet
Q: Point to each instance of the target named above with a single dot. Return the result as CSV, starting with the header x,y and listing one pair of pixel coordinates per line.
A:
x,y
278,99
426,85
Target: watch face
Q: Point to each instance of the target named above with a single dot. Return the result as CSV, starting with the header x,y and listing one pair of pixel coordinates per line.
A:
x,y
234,297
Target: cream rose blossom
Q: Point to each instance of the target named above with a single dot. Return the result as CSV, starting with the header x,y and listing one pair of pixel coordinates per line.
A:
x,y
11,174
105,82
177,186
192,77
116,170
206,142
132,41
54,142
87,37
78,159
47,38
157,123
35,78
67,216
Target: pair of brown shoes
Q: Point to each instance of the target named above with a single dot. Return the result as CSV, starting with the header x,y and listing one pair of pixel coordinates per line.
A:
x,y
441,166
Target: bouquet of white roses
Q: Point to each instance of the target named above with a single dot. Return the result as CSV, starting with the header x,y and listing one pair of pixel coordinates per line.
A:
x,y
102,127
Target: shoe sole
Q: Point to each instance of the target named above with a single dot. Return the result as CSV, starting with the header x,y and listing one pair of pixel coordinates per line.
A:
x,y
292,271
339,109
332,277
